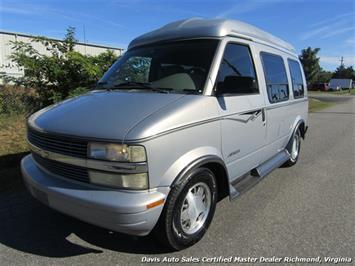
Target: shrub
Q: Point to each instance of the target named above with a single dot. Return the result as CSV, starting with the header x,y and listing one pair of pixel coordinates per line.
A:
x,y
18,100
60,74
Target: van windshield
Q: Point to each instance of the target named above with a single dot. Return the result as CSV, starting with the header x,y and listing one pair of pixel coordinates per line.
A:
x,y
178,67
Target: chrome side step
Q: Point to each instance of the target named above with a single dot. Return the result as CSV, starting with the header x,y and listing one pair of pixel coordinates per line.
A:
x,y
271,164
242,184
247,181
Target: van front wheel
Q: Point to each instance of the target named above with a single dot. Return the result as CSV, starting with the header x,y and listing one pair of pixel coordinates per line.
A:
x,y
189,210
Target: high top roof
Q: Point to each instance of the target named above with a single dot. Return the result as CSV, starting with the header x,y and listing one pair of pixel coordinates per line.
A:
x,y
198,27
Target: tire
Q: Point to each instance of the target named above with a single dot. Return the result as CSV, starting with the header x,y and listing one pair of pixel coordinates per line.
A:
x,y
294,149
175,228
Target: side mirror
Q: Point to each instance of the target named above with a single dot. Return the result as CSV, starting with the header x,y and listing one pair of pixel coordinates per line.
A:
x,y
237,85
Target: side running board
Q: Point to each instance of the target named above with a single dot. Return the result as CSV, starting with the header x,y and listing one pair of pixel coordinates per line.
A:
x,y
247,181
271,164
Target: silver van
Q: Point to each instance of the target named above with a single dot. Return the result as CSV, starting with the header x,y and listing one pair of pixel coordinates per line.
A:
x,y
192,112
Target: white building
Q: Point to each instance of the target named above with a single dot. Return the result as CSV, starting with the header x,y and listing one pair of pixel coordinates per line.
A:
x,y
9,68
340,84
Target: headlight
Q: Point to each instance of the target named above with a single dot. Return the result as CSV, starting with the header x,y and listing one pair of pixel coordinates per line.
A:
x,y
117,152
128,181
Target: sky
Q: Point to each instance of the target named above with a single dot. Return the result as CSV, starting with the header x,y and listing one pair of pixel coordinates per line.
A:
x,y
326,24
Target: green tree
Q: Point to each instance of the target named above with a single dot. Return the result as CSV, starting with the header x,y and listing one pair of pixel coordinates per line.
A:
x,y
343,72
310,63
61,73
70,39
324,76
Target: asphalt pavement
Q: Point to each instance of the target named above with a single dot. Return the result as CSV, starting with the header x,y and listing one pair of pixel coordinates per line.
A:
x,y
307,210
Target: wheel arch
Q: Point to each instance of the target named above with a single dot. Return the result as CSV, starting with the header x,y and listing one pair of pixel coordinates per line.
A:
x,y
299,123
303,129
213,163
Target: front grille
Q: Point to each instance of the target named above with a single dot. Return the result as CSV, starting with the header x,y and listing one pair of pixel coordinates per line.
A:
x,y
63,169
58,144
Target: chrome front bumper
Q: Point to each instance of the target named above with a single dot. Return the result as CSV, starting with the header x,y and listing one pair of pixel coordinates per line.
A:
x,y
120,211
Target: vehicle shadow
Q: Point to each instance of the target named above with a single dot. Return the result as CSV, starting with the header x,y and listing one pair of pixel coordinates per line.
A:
x,y
28,226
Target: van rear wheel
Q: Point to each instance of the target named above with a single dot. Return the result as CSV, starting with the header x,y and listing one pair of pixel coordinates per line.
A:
x,y
189,210
294,150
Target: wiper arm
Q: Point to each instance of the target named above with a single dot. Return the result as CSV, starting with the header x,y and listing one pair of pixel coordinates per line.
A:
x,y
99,85
130,84
139,85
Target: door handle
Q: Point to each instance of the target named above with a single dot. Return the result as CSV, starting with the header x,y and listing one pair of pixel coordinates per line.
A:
x,y
263,116
254,113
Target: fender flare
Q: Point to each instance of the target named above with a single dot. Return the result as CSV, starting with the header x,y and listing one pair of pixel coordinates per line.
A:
x,y
195,164
298,124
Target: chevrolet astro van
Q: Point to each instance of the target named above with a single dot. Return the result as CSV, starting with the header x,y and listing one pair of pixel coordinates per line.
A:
x,y
191,113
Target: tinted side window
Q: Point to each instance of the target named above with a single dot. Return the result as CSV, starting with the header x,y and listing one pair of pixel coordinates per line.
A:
x,y
276,78
236,73
296,76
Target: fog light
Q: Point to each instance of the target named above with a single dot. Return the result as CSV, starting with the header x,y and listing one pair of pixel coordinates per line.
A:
x,y
127,181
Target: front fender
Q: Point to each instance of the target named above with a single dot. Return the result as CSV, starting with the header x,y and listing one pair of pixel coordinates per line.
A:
x,y
207,159
188,161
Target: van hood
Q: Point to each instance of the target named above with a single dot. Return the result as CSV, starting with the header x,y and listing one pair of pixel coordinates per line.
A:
x,y
190,111
101,114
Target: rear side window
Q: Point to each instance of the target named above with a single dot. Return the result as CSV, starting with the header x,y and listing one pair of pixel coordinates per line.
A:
x,y
236,73
276,78
296,76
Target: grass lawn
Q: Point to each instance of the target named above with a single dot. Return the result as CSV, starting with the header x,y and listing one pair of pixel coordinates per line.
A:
x,y
12,148
316,105
12,134
341,92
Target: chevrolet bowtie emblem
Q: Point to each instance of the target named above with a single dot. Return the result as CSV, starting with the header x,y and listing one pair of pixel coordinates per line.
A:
x,y
44,154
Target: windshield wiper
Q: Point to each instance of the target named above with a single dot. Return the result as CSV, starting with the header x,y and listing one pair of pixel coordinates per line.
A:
x,y
100,84
140,85
130,84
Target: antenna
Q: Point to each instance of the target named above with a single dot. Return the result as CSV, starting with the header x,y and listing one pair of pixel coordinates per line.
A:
x,y
342,61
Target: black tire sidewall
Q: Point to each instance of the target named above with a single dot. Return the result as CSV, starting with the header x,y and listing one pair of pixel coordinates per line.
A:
x,y
178,238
